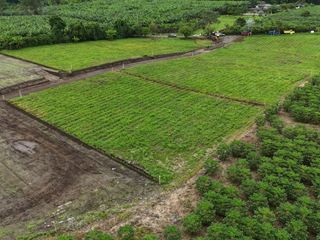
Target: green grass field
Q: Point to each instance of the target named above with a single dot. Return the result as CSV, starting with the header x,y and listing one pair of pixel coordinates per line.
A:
x,y
262,68
164,130
13,72
75,56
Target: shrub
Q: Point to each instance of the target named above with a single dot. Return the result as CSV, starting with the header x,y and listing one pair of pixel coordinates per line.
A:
x,y
240,149
192,223
257,200
260,120
223,152
126,232
211,166
239,172
233,218
223,231
172,233
220,202
286,212
265,215
203,184
277,123
57,26
297,229
264,231
253,159
186,30
205,210
249,187
282,234
271,111
97,235
111,34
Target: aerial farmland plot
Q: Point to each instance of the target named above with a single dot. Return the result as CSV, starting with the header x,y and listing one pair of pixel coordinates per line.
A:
x,y
45,178
161,129
164,116
13,71
71,56
260,69
159,120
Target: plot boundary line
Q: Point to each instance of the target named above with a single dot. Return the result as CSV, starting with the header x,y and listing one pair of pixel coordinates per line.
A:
x,y
121,161
214,95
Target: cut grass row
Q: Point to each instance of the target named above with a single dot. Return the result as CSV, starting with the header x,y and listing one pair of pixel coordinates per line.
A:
x,y
75,56
164,130
262,68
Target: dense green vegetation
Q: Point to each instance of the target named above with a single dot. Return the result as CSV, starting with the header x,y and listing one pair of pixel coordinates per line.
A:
x,y
274,191
296,19
262,68
269,190
127,19
304,103
165,131
70,56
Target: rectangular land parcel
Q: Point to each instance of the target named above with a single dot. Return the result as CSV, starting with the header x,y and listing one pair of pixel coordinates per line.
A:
x,y
261,68
164,130
75,56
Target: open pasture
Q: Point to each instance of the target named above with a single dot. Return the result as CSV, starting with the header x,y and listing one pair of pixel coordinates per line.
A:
x,y
75,56
262,68
164,130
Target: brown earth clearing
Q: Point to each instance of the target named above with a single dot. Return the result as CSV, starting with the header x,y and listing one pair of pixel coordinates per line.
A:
x,y
56,183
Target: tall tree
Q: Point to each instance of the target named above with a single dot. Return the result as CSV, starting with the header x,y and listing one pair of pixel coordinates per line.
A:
x,y
57,26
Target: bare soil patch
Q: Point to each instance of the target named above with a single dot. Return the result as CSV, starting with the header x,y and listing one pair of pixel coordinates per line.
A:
x,y
46,177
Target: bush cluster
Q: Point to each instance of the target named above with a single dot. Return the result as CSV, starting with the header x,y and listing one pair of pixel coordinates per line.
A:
x,y
304,103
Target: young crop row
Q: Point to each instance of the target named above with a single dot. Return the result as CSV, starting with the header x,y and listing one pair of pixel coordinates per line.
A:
x,y
163,130
262,68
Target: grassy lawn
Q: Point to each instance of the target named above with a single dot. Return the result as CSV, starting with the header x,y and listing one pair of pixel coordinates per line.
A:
x,y
14,72
262,68
74,56
164,130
